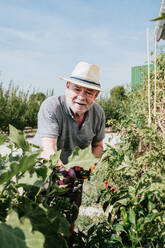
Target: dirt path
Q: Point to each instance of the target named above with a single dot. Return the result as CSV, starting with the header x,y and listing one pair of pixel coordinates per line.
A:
x,y
115,139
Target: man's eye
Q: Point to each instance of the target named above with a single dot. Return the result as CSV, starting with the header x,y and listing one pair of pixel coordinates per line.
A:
x,y
89,93
77,89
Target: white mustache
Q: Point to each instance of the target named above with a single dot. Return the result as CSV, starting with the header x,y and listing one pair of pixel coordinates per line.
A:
x,y
80,102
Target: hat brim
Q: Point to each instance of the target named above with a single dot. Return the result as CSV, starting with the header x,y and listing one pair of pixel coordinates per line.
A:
x,y
81,83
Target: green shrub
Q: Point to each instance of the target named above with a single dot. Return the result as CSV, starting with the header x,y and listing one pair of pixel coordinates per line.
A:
x,y
19,108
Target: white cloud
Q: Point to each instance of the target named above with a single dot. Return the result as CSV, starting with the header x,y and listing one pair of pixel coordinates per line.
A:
x,y
24,35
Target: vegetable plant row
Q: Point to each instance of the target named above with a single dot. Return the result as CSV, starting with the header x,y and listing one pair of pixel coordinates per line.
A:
x,y
33,213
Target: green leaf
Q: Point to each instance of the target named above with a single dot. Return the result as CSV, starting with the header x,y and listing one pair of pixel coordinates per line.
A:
x,y
132,216
124,215
151,206
162,17
49,227
149,218
63,225
116,237
18,139
55,158
30,180
83,158
121,167
3,139
123,201
18,166
27,161
105,205
18,234
13,170
119,228
12,237
140,223
58,190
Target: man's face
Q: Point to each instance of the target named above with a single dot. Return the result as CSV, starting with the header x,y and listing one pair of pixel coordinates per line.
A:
x,y
80,98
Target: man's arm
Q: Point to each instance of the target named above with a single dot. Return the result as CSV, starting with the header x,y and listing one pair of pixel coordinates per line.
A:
x,y
49,147
97,148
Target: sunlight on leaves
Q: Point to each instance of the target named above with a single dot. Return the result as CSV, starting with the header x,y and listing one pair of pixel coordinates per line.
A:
x,y
83,158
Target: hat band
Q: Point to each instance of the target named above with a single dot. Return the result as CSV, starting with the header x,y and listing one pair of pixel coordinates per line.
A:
x,y
86,81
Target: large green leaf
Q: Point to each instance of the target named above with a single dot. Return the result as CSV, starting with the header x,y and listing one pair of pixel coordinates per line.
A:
x,y
12,237
12,170
3,139
28,179
132,216
54,229
16,234
82,157
18,166
27,161
18,139
63,225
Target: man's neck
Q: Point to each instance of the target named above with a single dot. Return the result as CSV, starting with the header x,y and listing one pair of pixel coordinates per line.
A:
x,y
79,118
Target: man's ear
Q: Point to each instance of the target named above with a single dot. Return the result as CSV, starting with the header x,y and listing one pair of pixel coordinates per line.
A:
x,y
67,84
97,93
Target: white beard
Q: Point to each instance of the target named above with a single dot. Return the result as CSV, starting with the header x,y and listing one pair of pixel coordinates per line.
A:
x,y
71,106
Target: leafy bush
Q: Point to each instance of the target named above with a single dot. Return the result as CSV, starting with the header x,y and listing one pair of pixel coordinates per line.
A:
x,y
33,213
132,175
19,108
113,104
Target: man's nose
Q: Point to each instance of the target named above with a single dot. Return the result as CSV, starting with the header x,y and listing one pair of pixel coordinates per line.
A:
x,y
82,94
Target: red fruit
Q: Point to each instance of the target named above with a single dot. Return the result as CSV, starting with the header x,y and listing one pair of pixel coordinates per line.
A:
x,y
77,168
106,184
112,189
138,195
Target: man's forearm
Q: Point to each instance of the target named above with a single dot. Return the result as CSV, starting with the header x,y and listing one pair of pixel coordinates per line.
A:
x,y
49,147
46,154
97,150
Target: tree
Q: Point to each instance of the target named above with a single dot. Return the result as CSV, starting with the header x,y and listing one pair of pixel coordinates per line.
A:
x,y
33,105
117,96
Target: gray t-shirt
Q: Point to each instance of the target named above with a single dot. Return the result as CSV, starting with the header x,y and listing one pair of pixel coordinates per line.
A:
x,y
56,120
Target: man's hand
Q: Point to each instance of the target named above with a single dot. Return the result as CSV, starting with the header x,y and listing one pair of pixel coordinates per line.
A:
x,y
77,172
83,174
59,164
97,148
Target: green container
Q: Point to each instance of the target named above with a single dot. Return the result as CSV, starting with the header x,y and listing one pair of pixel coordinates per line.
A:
x,y
139,73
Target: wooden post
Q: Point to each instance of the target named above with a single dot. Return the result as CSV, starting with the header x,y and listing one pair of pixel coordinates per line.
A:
x,y
155,72
149,98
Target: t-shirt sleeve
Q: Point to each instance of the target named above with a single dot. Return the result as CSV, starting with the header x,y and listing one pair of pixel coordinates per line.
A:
x,y
48,124
100,129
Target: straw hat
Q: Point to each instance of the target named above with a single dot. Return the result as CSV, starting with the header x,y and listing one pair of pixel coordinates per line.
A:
x,y
86,75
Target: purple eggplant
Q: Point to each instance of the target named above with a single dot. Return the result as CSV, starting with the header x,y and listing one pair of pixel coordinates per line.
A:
x,y
71,173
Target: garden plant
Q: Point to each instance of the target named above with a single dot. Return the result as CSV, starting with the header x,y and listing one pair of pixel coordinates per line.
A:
x,y
129,182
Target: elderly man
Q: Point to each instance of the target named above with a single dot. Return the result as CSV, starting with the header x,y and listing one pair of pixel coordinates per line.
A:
x,y
73,119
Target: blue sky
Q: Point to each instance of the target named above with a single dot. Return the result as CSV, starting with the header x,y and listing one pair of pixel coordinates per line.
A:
x,y
43,40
